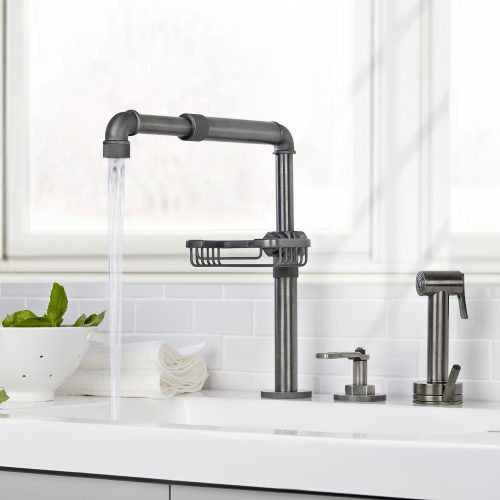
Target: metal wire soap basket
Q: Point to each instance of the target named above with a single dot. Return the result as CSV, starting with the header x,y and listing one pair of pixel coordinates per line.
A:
x,y
286,248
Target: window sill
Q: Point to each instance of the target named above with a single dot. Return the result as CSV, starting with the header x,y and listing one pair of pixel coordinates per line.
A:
x,y
177,270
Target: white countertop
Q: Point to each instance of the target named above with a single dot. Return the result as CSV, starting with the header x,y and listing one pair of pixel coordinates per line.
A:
x,y
393,449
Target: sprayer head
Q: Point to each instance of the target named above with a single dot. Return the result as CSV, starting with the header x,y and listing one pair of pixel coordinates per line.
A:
x,y
120,127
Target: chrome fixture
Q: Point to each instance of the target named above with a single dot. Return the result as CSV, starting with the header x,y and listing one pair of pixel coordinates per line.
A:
x,y
359,391
285,248
440,388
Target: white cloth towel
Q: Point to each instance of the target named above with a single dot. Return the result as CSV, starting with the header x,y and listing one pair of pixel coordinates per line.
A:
x,y
149,370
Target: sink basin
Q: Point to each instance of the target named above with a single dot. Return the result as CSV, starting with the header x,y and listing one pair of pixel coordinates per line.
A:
x,y
237,439
210,409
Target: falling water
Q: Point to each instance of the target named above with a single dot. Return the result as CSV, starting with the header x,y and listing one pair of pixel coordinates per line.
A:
x,y
116,177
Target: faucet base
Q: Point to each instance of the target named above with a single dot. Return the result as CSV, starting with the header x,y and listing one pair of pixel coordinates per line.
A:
x,y
432,394
286,395
360,398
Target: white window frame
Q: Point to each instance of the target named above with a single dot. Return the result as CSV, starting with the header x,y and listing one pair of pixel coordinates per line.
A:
x,y
149,253
398,146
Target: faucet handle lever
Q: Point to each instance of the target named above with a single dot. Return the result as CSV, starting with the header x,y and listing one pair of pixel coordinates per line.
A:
x,y
359,391
358,355
462,305
449,388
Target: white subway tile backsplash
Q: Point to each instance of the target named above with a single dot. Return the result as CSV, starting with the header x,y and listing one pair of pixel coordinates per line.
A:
x,y
481,390
407,318
352,318
192,291
483,322
86,290
392,358
402,388
10,305
476,291
249,354
41,290
249,291
164,316
232,381
89,306
142,290
237,323
422,359
356,291
473,357
229,317
263,318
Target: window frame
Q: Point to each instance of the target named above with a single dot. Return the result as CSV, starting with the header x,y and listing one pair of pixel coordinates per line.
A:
x,y
391,166
475,252
163,253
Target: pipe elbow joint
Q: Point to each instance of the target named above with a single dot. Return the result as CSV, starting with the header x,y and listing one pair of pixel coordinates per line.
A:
x,y
118,130
285,144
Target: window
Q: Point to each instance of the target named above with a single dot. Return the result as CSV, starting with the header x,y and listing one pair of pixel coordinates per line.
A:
x,y
465,135
474,112
392,106
218,58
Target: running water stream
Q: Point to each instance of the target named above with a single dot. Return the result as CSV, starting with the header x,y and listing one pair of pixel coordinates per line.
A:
x,y
116,178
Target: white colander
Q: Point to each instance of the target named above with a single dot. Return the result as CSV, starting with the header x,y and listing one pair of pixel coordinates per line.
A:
x,y
34,362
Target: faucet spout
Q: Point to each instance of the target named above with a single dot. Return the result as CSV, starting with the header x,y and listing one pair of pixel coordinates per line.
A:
x,y
193,127
120,127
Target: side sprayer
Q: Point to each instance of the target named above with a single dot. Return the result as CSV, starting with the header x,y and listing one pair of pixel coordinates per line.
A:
x,y
441,386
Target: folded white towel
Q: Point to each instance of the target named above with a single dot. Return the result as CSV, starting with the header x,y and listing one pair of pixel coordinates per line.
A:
x,y
153,355
149,370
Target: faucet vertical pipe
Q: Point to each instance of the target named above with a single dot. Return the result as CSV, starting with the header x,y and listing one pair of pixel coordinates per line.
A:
x,y
285,335
438,338
284,192
285,287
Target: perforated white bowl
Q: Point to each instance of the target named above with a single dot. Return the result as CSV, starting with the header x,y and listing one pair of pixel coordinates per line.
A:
x,y
34,362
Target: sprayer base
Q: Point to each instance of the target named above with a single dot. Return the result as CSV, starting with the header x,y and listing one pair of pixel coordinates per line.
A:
x,y
425,393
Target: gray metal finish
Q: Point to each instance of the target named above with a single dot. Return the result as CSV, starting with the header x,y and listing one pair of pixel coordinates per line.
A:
x,y
192,127
287,247
438,338
359,391
451,388
285,292
284,192
370,398
440,387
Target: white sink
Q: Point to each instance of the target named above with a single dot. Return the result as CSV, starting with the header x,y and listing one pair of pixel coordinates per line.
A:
x,y
319,416
241,440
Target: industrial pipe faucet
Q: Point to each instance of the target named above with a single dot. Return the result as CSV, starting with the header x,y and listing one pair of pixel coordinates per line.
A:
x,y
440,388
287,248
